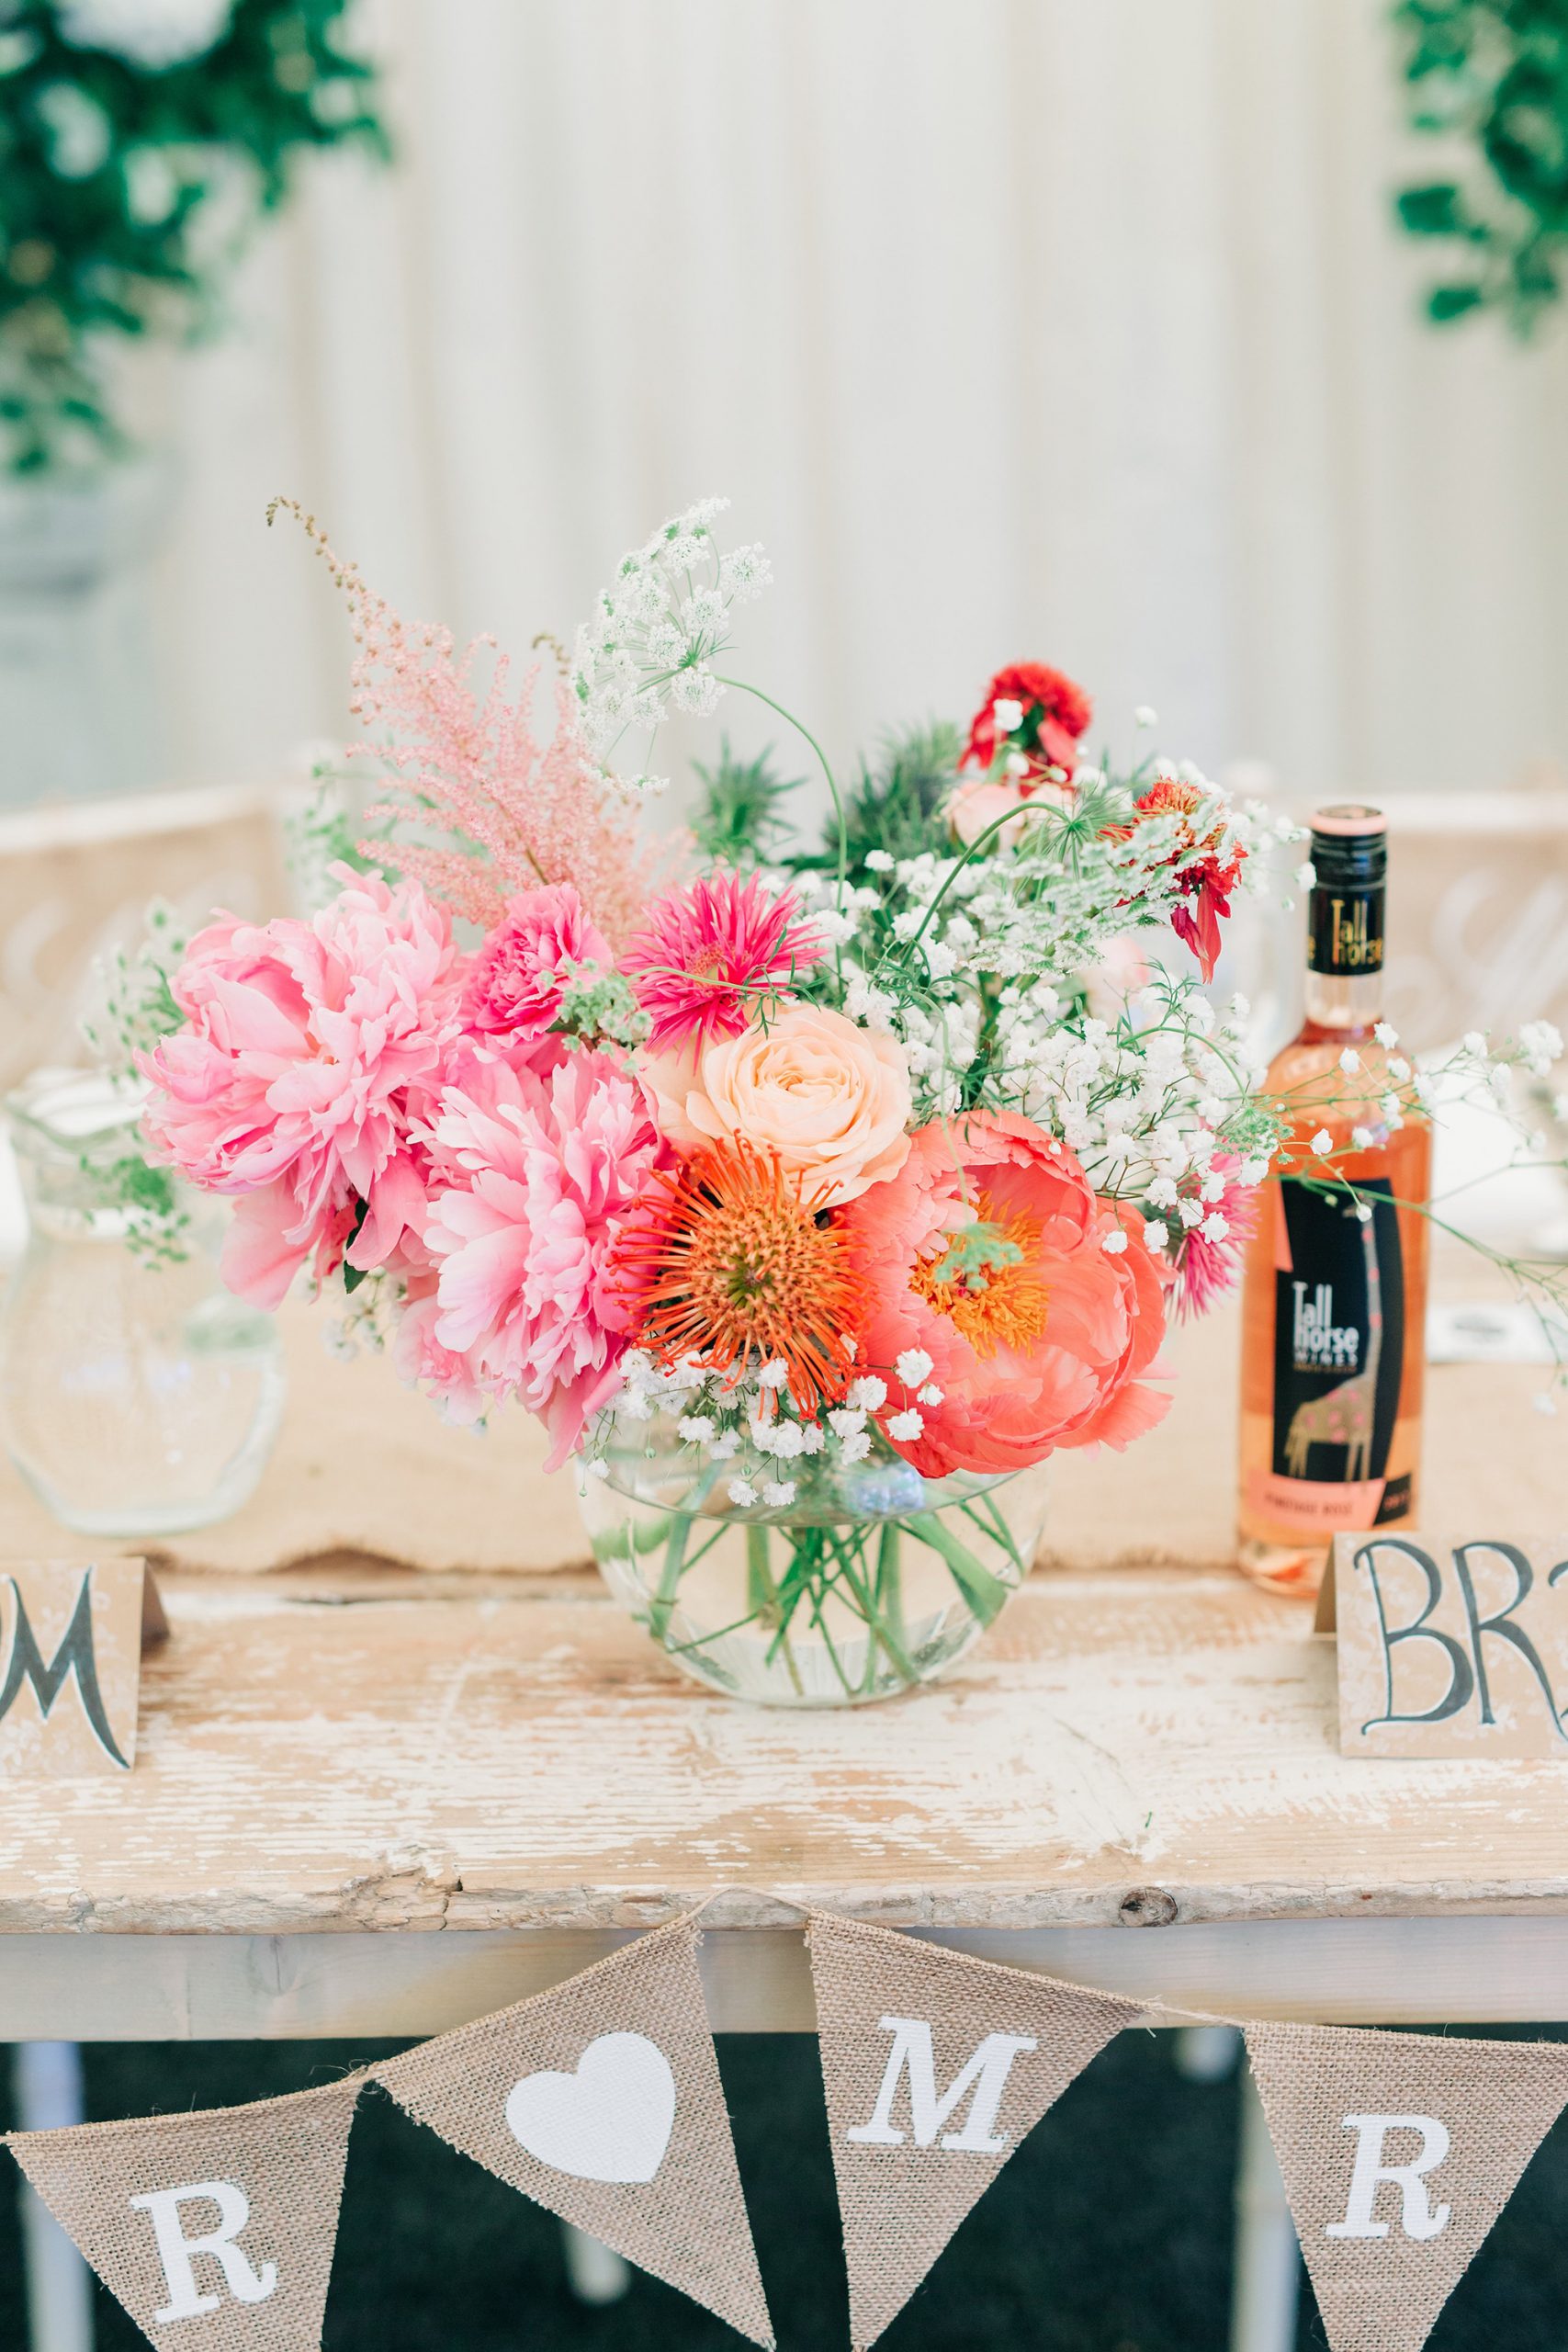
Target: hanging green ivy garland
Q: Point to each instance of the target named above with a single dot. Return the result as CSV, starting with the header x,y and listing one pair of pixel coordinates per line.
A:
x,y
140,140
1490,77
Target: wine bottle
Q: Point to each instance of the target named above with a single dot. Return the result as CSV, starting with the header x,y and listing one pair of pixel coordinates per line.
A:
x,y
1335,1288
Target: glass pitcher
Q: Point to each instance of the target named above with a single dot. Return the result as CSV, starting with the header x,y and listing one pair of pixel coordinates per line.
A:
x,y
138,1396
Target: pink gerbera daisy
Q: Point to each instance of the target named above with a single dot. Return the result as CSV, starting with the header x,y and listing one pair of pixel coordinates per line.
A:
x,y
707,952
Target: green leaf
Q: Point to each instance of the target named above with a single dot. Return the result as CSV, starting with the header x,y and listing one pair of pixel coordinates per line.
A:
x,y
741,821
1429,212
1446,303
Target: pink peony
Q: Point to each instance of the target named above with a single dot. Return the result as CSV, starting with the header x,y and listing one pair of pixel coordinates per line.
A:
x,y
311,1049
709,952
421,1361
514,982
538,1176
987,1253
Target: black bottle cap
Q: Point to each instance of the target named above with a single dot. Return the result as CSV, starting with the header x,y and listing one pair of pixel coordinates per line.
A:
x,y
1349,847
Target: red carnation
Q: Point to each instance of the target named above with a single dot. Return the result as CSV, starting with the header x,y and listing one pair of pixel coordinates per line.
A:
x,y
1055,712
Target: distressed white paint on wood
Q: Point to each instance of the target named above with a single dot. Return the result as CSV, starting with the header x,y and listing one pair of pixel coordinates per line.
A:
x,y
370,1751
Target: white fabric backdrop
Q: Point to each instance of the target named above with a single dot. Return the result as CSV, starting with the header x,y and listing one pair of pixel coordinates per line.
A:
x,y
1072,329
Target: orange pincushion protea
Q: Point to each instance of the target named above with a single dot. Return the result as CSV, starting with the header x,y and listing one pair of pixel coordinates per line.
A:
x,y
732,1265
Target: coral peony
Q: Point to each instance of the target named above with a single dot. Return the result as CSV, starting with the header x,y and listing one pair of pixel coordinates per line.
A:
x,y
536,1178
1037,1304
311,1050
710,951
829,1100
1053,712
512,992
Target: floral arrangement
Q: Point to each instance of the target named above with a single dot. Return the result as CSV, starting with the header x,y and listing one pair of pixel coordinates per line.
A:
x,y
904,1143
813,1186
139,136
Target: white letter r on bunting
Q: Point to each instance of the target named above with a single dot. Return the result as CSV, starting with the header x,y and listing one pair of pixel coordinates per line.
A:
x,y
1416,2216
986,2075
174,2249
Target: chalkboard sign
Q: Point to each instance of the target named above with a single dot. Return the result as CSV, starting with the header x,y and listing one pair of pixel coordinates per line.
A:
x,y
1452,1647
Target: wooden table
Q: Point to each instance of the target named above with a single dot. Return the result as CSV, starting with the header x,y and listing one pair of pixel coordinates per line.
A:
x,y
378,1800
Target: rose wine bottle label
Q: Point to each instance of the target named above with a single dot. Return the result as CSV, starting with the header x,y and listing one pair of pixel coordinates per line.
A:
x,y
1339,1360
1334,1296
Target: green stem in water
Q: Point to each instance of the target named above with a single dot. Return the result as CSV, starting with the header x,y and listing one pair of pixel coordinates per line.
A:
x,y
984,1592
762,1596
890,1580
670,1577
850,1549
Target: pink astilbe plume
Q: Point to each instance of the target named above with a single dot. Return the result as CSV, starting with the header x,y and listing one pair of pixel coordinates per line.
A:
x,y
536,814
708,953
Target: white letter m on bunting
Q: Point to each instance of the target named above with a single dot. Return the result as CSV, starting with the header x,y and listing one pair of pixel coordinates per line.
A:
x,y
982,2081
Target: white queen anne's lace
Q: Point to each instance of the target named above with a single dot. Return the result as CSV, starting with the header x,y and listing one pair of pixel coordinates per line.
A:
x,y
650,648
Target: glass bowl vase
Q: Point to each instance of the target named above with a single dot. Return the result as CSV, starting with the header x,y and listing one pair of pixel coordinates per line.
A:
x,y
872,1580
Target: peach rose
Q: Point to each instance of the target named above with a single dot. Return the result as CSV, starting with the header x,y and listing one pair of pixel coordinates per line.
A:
x,y
831,1101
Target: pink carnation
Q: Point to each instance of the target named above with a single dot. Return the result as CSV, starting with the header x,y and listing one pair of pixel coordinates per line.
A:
x,y
515,983
1210,1264
710,951
310,1051
542,1173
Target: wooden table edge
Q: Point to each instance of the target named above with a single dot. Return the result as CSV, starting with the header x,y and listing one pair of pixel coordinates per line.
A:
x,y
1451,1967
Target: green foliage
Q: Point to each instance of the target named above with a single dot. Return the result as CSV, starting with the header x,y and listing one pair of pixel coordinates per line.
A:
x,y
599,1008
897,804
136,1007
135,1003
126,190
157,1223
324,834
741,822
1492,75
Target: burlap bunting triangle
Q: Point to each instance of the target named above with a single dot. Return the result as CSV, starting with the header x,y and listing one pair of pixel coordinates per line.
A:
x,y
216,2228
1399,2151
601,2099
934,2067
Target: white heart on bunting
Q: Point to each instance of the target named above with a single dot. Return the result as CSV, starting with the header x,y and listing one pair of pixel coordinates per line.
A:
x,y
611,2121
601,2099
